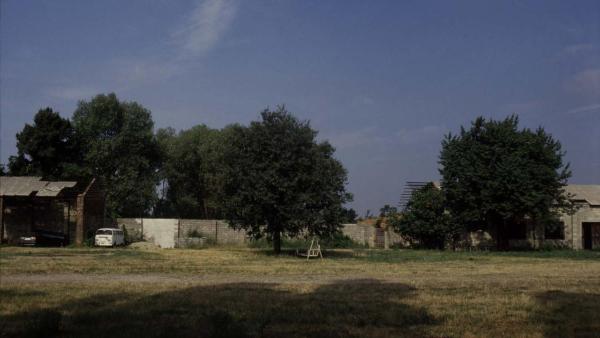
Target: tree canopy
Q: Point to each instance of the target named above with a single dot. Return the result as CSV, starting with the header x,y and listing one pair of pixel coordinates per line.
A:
x,y
119,146
191,172
47,148
280,181
497,174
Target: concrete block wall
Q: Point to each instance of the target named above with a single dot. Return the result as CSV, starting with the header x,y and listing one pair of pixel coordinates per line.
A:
x,y
170,233
132,227
360,233
217,231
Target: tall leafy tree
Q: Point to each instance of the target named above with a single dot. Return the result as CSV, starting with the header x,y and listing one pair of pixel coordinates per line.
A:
x,y
47,148
425,221
120,147
280,181
497,174
191,172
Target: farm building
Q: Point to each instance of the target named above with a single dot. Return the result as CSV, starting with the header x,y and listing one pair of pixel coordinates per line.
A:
x,y
60,209
580,230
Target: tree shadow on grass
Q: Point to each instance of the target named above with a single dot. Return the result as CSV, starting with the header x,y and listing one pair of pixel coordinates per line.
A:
x,y
568,314
354,308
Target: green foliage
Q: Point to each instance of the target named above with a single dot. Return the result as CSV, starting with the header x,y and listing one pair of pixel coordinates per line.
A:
x,y
120,148
194,233
496,174
349,215
387,211
47,148
191,172
338,240
279,180
425,222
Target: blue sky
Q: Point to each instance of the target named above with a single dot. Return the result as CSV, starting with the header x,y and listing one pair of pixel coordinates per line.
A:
x,y
383,81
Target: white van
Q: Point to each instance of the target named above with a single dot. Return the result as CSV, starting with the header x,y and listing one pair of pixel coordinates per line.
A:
x,y
109,237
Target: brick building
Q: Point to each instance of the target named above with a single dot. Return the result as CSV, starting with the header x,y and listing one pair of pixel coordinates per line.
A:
x,y
67,208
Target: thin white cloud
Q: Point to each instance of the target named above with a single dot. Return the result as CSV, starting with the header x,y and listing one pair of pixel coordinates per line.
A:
x,y
418,135
523,107
354,138
371,136
72,93
585,83
592,108
207,23
199,33
363,100
578,48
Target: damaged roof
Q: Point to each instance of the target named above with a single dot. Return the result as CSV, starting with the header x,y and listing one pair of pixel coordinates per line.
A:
x,y
31,186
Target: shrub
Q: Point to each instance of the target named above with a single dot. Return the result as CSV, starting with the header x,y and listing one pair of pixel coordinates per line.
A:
x,y
425,222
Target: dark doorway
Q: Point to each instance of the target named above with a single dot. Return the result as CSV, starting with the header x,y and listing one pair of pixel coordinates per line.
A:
x,y
587,236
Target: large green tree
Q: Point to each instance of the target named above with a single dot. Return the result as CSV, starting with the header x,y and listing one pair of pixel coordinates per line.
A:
x,y
497,174
47,148
280,181
425,221
119,147
191,173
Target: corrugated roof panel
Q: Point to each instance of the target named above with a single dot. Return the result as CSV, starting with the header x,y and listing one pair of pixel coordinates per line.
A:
x,y
20,185
28,185
54,188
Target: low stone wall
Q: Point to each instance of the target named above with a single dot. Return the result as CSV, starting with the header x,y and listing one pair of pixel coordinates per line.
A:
x,y
172,233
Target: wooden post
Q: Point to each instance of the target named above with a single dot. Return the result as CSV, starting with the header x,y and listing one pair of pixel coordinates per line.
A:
x,y
1,219
32,215
386,239
69,220
80,226
216,232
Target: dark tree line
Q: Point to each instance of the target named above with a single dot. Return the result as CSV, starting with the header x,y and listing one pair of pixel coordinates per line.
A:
x,y
271,177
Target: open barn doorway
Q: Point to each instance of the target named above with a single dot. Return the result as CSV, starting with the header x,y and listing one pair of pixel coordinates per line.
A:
x,y
591,236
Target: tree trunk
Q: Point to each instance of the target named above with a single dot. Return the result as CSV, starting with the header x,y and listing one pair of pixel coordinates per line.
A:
x,y
277,242
502,236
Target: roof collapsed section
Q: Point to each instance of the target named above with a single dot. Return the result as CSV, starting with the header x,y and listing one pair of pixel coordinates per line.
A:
x,y
31,186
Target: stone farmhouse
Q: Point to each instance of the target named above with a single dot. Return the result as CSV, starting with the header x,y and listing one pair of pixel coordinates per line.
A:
x,y
580,230
68,209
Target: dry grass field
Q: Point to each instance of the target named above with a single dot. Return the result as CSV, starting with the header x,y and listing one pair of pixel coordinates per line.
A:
x,y
239,292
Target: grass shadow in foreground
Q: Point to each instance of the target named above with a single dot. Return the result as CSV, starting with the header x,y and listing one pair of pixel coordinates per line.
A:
x,y
569,314
354,308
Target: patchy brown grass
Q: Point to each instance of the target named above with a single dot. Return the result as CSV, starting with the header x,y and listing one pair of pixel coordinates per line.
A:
x,y
243,292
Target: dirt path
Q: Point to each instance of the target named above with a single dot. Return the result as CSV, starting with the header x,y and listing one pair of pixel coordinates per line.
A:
x,y
172,279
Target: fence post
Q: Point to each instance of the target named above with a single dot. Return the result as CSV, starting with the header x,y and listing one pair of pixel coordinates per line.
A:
x,y
216,232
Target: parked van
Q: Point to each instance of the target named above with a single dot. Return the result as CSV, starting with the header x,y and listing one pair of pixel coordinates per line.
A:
x,y
109,237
